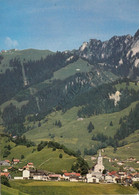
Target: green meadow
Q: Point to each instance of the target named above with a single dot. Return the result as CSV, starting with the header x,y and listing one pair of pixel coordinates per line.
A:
x,y
10,191
131,85
74,133
27,54
69,188
46,159
71,69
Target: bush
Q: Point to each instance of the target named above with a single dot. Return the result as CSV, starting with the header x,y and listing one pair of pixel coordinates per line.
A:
x,y
136,185
22,156
60,155
5,181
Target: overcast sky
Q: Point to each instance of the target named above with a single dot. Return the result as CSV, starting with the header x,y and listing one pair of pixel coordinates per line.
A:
x,y
64,24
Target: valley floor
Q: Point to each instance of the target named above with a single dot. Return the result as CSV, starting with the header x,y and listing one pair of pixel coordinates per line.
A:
x,y
64,188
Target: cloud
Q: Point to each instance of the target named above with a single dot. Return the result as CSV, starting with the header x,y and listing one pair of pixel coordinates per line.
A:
x,y
10,43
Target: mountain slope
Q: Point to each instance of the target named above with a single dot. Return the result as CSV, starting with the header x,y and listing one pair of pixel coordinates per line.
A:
x,y
74,133
120,54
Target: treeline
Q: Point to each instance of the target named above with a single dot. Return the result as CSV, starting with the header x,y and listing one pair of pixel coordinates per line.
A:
x,y
21,140
40,70
55,145
97,101
18,140
11,81
13,120
128,125
35,71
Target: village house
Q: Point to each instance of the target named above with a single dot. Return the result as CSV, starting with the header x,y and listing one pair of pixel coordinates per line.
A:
x,y
90,178
54,177
30,165
72,176
8,161
4,163
5,170
16,161
111,177
35,174
7,174
135,177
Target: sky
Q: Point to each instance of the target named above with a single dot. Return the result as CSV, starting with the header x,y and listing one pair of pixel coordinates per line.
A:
x,y
60,25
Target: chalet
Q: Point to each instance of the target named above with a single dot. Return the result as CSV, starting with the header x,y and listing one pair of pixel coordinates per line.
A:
x,y
120,163
35,174
6,175
16,161
90,178
20,169
8,161
30,165
131,159
110,179
4,163
55,177
40,176
135,177
5,170
72,176
25,167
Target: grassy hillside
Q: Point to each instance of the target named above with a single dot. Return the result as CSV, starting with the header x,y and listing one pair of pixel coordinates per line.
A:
x,y
130,86
28,54
10,191
71,69
121,154
70,188
74,133
46,159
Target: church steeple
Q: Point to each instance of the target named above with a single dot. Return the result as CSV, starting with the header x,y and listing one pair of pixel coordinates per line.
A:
x,y
99,166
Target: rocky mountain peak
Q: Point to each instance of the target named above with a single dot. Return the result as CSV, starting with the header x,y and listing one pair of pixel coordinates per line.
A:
x,y
136,36
120,53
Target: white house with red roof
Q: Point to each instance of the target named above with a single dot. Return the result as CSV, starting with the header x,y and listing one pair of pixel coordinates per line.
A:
x,y
7,174
54,177
72,176
30,165
16,161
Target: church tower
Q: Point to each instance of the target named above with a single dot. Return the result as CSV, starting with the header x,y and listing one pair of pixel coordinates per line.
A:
x,y
99,166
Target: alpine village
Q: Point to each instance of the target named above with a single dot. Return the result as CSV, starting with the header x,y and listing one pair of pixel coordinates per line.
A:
x,y
69,121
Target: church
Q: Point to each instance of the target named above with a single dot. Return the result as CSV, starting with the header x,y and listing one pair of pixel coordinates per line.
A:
x,y
96,175
98,168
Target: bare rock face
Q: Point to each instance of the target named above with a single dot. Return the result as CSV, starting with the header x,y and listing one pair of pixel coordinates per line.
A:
x,y
120,54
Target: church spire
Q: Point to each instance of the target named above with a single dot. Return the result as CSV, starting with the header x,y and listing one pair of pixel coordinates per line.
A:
x,y
100,153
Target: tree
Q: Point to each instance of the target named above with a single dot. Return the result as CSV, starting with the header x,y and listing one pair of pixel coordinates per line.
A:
x,y
115,149
136,185
80,166
90,127
39,124
111,124
60,155
22,156
5,181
